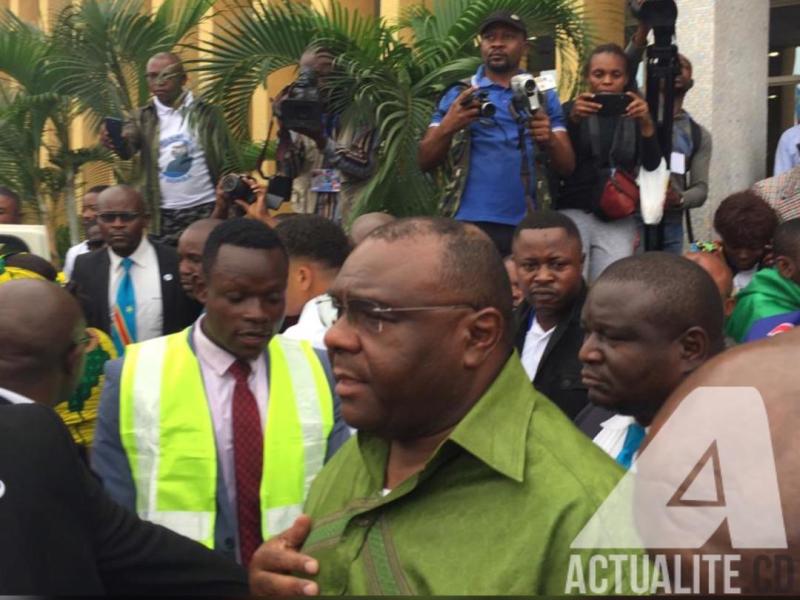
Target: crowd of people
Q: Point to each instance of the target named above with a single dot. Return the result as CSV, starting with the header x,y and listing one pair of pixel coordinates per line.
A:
x,y
216,399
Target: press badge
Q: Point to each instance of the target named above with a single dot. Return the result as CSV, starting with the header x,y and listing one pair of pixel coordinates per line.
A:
x,y
677,163
326,180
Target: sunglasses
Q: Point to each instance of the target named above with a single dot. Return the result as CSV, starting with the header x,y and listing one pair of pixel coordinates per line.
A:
x,y
111,217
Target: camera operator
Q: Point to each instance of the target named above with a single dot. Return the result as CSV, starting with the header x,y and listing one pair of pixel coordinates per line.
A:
x,y
329,164
490,189
619,137
691,150
181,160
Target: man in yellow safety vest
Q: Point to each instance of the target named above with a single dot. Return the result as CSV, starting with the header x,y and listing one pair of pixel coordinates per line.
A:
x,y
218,431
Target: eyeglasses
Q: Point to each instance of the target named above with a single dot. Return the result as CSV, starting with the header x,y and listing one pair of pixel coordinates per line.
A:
x,y
110,217
370,316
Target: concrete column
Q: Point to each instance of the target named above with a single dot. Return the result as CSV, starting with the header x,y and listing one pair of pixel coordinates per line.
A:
x,y
728,44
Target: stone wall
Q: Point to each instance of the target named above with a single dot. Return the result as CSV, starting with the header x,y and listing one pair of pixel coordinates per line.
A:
x,y
728,41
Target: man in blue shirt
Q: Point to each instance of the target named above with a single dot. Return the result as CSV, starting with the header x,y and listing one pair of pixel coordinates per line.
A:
x,y
493,196
787,155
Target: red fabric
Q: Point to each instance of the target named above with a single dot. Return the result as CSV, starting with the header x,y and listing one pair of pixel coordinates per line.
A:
x,y
248,449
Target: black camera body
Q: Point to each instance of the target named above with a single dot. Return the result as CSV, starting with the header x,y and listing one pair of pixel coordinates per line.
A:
x,y
656,13
302,107
237,188
486,108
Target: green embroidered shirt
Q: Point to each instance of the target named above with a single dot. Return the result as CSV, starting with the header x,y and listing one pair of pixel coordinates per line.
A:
x,y
494,511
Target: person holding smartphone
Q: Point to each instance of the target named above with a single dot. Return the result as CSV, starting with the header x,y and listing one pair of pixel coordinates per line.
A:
x,y
610,127
182,162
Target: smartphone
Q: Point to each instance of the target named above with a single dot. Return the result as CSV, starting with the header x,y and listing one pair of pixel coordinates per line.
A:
x,y
614,105
114,129
279,190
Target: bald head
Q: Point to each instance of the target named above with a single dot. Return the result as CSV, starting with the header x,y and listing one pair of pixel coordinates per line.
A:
x,y
122,219
165,77
41,327
366,224
714,265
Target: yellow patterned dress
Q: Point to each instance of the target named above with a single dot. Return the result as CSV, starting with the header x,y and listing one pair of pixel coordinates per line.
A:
x,y
79,413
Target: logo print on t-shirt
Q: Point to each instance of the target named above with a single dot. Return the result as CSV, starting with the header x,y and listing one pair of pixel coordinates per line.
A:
x,y
181,161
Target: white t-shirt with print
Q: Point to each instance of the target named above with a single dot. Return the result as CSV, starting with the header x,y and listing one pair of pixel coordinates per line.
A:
x,y
182,172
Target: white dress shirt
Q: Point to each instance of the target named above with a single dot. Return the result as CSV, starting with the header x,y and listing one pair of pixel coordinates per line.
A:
x,y
73,253
315,320
14,397
146,278
612,435
219,386
536,341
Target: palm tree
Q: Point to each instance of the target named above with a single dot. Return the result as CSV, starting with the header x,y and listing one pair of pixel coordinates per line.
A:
x,y
104,45
384,76
101,48
32,113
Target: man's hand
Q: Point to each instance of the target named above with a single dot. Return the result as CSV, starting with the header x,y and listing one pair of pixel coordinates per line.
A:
x,y
639,110
539,129
277,558
583,107
458,116
258,210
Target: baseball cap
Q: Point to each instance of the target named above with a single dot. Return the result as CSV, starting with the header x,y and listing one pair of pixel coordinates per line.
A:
x,y
506,17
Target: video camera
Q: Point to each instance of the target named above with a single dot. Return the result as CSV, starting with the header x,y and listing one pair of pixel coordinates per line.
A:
x,y
302,108
659,14
525,95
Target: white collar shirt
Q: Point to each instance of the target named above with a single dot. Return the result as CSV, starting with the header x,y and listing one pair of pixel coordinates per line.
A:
x,y
536,341
315,320
14,397
612,435
146,277
219,386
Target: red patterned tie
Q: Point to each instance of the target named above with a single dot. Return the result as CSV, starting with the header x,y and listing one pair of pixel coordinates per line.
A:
x,y
248,448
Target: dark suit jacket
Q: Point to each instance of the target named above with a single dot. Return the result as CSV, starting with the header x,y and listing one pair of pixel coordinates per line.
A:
x,y
91,274
559,374
61,534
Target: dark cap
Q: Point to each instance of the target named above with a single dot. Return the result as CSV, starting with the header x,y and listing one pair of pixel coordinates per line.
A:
x,y
505,17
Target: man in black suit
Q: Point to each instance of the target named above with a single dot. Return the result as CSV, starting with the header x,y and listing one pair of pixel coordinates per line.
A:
x,y
156,305
61,534
548,256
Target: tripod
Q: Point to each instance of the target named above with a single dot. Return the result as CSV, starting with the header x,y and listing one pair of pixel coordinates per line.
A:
x,y
662,67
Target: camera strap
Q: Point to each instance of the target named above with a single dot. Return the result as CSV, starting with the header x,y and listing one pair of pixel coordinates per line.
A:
x,y
263,154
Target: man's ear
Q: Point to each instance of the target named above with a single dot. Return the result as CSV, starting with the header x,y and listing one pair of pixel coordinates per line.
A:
x,y
305,277
484,330
786,267
695,348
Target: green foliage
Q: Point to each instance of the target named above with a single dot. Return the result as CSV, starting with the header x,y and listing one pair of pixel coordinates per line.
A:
x,y
388,76
62,241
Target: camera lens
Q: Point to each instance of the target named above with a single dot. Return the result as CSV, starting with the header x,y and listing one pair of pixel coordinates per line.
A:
x,y
530,86
229,183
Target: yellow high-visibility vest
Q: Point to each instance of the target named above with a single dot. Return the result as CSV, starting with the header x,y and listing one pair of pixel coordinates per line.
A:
x,y
168,435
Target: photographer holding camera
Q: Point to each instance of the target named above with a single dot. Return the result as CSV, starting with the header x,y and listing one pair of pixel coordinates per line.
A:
x,y
329,163
487,182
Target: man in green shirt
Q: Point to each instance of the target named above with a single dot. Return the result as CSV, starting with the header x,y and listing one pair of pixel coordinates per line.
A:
x,y
463,479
